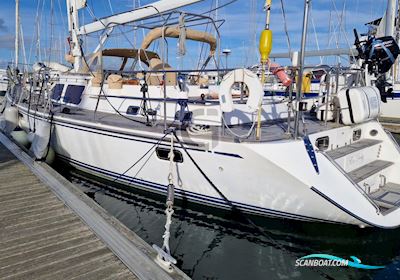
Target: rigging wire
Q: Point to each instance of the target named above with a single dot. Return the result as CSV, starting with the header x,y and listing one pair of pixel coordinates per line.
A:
x,y
37,22
220,7
236,210
315,34
341,27
286,27
140,159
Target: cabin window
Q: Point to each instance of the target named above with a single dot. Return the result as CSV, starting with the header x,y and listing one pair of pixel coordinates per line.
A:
x,y
356,134
73,94
163,153
57,92
322,143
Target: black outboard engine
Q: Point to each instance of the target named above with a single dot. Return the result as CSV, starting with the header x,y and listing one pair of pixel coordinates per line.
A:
x,y
379,55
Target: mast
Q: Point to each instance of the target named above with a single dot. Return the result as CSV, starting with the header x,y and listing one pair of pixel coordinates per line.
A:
x,y
16,33
265,48
307,5
73,24
390,18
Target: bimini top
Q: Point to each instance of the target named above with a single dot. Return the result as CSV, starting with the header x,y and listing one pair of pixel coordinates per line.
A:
x,y
145,57
175,32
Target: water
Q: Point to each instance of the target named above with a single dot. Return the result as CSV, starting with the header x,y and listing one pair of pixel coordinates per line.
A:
x,y
210,245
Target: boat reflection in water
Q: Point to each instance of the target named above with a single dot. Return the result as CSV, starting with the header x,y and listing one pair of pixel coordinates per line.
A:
x,y
211,245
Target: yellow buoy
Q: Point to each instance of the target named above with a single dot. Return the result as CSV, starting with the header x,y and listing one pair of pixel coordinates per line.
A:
x,y
265,46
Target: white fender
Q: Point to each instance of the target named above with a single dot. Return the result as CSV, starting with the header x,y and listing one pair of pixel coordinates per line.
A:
x,y
40,140
359,104
252,82
10,120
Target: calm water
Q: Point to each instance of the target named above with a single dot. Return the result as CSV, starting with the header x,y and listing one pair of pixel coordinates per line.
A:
x,y
220,246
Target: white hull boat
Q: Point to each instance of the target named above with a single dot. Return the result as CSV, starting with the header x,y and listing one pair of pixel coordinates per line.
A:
x,y
353,178
154,128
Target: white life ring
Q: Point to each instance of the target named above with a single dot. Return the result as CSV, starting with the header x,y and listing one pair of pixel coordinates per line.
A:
x,y
253,84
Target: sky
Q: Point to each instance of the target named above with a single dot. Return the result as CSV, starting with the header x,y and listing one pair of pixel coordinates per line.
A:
x,y
331,24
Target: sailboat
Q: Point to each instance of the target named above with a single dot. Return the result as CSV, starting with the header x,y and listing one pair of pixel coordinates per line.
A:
x,y
155,128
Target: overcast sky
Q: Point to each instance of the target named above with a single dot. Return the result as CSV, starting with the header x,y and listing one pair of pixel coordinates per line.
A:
x,y
244,21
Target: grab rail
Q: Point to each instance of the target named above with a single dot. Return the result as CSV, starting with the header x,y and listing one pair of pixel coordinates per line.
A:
x,y
361,190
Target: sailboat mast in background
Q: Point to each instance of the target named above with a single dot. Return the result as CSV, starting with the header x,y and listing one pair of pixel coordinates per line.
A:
x,y
16,33
390,18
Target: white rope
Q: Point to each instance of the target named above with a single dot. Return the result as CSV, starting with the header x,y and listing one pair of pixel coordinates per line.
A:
x,y
169,211
198,130
167,233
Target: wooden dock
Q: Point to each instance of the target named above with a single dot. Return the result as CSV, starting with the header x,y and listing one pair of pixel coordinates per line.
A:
x,y
50,230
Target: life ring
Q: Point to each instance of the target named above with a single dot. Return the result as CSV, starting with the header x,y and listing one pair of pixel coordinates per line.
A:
x,y
253,84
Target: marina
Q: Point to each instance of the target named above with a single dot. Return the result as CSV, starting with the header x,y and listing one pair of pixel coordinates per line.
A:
x,y
158,140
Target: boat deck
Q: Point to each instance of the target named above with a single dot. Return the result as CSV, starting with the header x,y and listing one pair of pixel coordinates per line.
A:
x,y
270,131
51,231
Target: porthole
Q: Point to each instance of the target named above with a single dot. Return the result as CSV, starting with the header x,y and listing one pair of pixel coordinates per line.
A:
x,y
373,132
163,153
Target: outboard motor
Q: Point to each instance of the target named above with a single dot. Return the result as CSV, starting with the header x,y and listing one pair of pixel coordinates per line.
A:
x,y
379,55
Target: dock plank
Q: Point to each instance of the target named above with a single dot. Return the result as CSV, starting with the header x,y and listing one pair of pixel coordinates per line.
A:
x,y
45,232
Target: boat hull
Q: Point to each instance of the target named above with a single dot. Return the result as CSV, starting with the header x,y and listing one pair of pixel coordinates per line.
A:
x,y
247,177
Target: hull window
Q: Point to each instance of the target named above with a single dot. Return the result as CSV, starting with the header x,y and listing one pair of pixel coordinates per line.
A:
x,y
57,92
163,153
73,94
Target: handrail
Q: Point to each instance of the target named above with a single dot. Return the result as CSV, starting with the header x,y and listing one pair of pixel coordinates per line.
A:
x,y
361,190
106,71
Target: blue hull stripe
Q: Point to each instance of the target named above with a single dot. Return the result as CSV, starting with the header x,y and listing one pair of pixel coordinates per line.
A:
x,y
347,211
